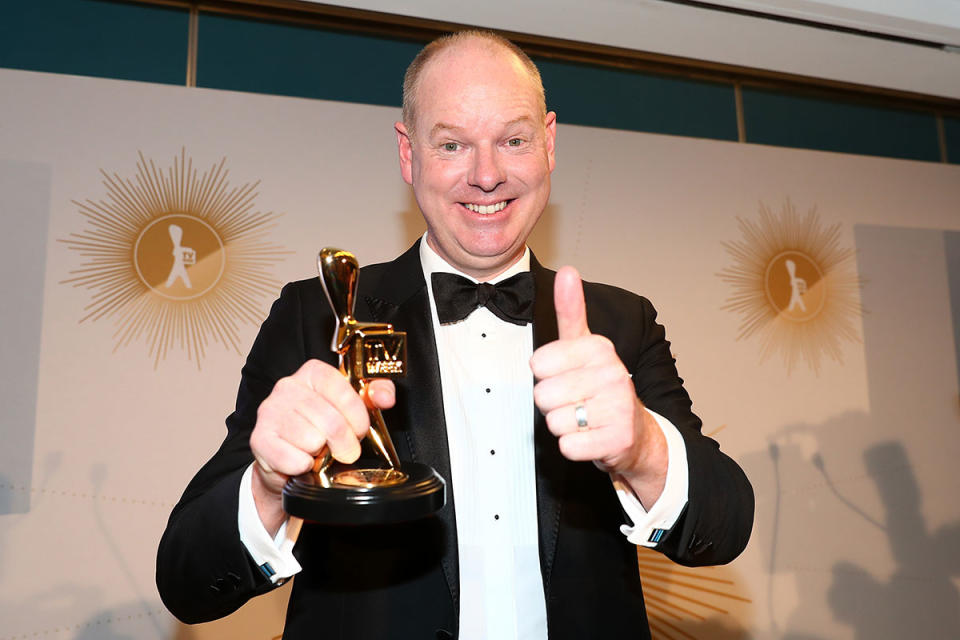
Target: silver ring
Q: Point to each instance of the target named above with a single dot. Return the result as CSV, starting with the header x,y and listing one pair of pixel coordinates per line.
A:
x,y
580,413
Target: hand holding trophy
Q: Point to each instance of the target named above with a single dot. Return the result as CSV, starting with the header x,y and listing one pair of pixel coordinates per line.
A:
x,y
365,492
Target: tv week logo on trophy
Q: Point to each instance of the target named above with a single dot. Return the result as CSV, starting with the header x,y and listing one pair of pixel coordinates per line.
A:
x,y
384,356
174,257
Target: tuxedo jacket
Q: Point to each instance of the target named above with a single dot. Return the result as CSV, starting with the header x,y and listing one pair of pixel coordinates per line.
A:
x,y
401,581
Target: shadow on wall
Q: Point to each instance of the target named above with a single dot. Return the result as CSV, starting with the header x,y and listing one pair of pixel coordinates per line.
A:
x,y
7,499
919,599
824,531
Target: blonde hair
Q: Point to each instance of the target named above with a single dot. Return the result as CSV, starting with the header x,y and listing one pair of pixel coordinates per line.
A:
x,y
411,79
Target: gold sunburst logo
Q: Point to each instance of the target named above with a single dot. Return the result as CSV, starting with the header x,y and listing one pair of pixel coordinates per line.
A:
x,y
794,286
176,257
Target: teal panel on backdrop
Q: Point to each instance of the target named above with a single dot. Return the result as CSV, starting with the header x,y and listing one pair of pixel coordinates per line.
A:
x,y
815,123
95,38
293,60
951,128
619,99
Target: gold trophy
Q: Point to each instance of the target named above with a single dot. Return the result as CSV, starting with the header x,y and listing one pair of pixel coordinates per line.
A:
x,y
366,492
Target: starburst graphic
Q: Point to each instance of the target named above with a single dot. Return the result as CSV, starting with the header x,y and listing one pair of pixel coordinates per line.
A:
x,y
680,599
794,286
175,258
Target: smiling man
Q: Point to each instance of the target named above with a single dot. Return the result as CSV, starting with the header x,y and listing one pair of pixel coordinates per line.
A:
x,y
478,153
552,407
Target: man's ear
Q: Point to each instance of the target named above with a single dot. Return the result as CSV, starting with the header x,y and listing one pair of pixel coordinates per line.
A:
x,y
406,152
551,137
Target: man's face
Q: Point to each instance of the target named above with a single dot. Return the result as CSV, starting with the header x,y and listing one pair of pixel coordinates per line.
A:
x,y
479,157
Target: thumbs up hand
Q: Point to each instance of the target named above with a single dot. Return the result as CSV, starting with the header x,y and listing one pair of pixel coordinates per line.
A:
x,y
589,401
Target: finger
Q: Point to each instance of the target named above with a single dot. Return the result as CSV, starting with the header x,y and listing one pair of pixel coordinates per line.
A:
x,y
572,387
277,457
316,407
563,420
379,393
581,446
333,388
323,421
336,406
559,356
607,445
311,427
569,304
344,444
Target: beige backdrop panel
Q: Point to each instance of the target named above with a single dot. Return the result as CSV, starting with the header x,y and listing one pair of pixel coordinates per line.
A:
x,y
853,465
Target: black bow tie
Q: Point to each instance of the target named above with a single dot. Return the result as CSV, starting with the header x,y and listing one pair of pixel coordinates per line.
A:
x,y
457,297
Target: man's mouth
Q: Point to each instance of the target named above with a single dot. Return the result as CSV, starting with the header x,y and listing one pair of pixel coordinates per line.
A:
x,y
486,209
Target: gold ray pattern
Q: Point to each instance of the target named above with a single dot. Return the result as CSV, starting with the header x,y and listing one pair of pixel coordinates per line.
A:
x,y
794,286
140,233
680,598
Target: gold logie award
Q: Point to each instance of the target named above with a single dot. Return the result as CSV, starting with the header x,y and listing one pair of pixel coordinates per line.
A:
x,y
337,493
367,350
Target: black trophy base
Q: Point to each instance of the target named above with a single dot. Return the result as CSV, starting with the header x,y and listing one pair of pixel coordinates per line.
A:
x,y
422,494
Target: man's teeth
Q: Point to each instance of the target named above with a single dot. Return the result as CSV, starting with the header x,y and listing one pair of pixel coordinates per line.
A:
x,y
485,208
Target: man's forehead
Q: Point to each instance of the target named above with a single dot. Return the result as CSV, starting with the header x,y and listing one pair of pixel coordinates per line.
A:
x,y
442,127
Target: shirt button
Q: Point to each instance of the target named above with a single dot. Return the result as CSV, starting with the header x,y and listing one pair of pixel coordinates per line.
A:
x,y
496,516
488,389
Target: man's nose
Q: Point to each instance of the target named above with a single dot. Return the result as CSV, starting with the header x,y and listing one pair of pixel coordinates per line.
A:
x,y
486,172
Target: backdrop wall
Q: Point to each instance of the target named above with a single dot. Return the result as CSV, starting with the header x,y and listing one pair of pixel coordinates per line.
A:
x,y
841,403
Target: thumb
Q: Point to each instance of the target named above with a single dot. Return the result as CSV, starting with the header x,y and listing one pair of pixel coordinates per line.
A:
x,y
568,301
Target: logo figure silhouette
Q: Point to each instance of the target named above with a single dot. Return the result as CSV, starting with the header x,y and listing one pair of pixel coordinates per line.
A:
x,y
798,287
182,256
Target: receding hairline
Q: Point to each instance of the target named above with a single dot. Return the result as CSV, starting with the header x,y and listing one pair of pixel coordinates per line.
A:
x,y
411,80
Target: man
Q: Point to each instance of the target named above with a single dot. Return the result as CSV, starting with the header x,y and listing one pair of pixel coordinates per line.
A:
x,y
544,506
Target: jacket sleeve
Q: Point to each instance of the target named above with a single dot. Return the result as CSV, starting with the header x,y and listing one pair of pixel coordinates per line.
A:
x,y
716,523
203,570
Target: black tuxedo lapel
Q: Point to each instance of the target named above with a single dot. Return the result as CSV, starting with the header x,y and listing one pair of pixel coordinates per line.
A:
x,y
550,462
399,296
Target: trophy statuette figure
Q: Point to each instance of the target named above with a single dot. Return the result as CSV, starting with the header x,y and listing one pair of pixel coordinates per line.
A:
x,y
366,492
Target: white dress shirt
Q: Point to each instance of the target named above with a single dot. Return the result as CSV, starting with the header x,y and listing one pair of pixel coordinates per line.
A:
x,y
487,391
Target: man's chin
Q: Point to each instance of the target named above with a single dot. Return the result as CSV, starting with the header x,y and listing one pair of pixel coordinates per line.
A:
x,y
488,263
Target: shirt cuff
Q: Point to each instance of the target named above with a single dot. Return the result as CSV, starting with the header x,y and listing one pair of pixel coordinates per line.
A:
x,y
650,527
274,556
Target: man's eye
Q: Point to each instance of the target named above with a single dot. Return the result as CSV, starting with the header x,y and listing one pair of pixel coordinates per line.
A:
x,y
450,146
515,142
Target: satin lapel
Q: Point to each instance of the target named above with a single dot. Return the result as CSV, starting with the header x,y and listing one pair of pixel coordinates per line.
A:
x,y
550,463
401,298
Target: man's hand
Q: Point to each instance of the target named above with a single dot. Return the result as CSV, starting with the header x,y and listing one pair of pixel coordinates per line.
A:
x,y
583,369
313,408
